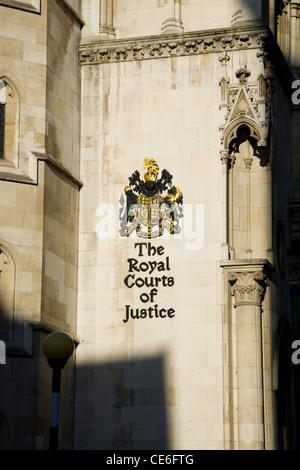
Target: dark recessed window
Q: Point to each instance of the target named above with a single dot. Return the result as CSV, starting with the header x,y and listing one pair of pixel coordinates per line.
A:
x,y
2,129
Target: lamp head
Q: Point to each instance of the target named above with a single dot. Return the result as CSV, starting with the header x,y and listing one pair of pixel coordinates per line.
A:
x,y
58,347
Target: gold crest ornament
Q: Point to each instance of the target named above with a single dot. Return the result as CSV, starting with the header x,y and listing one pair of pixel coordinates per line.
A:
x,y
144,208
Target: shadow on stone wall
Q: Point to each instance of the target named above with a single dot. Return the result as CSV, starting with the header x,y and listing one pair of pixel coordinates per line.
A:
x,y
25,389
121,406
19,383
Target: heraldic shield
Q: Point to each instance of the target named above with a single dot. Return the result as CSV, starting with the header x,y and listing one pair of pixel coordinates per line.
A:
x,y
144,209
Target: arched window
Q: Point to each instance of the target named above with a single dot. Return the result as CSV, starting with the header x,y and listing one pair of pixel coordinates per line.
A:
x,y
2,117
244,143
9,123
7,293
14,330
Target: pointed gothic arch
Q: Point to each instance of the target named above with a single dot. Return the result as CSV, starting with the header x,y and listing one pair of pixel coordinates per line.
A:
x,y
231,131
7,293
10,122
14,329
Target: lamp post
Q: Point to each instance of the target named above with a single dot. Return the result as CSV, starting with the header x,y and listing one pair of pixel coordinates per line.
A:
x,y
58,348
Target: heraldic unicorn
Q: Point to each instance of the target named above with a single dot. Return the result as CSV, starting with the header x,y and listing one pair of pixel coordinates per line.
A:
x,y
144,209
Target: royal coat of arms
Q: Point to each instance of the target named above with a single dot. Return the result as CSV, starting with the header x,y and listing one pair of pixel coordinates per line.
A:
x,y
144,208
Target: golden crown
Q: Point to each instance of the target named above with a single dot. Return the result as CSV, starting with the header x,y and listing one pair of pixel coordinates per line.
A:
x,y
151,169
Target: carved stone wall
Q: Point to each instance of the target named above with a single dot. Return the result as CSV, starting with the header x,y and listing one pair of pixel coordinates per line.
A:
x,y
193,43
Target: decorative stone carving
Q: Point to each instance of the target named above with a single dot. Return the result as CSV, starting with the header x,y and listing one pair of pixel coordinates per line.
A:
x,y
227,42
237,16
166,45
3,260
247,102
245,39
224,58
225,158
243,74
248,288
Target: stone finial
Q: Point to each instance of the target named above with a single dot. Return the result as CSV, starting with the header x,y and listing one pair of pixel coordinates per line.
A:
x,y
243,74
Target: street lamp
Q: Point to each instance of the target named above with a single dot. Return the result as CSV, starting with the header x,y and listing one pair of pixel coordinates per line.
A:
x,y
58,348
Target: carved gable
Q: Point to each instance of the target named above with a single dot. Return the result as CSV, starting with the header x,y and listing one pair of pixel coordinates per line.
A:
x,y
247,102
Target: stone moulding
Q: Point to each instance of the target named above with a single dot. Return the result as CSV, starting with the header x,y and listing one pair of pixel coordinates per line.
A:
x,y
60,168
99,51
15,174
33,6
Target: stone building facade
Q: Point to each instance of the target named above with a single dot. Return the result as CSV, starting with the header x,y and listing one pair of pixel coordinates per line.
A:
x,y
150,203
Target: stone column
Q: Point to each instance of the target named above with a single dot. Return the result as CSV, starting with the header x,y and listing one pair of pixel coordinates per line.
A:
x,y
248,163
230,206
248,288
283,30
295,22
225,160
173,23
106,29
